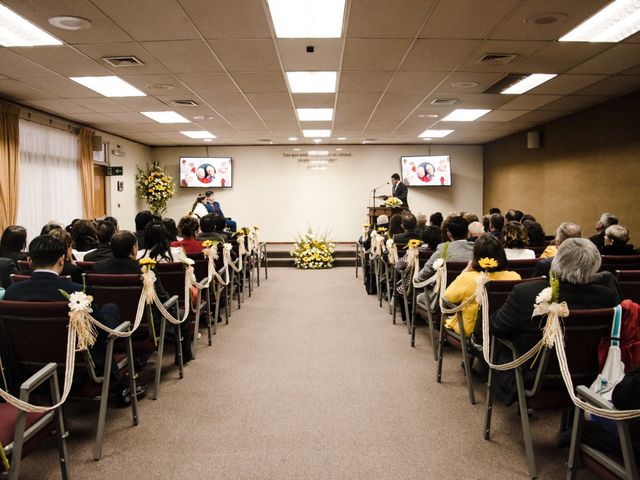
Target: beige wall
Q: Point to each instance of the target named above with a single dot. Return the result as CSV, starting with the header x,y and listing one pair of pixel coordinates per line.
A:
x,y
284,197
589,163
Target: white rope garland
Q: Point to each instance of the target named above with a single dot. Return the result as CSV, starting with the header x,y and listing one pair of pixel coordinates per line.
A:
x,y
393,252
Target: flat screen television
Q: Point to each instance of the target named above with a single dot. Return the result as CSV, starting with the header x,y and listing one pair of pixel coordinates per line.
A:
x,y
426,170
206,172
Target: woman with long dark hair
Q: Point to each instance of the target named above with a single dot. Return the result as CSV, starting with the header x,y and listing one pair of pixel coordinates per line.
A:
x,y
13,242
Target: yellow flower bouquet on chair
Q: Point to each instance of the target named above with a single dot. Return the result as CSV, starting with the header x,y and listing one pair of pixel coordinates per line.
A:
x,y
155,187
313,252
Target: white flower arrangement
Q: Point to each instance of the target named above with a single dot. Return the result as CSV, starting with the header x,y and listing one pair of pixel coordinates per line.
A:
x,y
545,296
80,302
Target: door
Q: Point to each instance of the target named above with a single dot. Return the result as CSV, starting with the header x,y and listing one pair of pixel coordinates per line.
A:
x,y
99,190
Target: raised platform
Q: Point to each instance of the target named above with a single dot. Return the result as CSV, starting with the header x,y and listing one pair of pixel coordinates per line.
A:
x,y
279,256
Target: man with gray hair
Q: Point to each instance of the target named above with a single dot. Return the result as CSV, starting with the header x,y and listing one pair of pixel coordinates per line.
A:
x,y
564,231
421,218
476,230
606,220
575,266
616,241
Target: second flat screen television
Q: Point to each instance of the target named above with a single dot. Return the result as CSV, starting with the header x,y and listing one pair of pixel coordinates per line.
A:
x,y
206,172
426,170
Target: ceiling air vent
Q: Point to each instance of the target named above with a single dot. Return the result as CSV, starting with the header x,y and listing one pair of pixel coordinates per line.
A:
x,y
497,58
505,82
126,61
184,103
444,101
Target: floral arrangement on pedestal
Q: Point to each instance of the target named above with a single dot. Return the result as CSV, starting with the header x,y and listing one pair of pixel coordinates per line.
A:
x,y
155,187
393,202
313,252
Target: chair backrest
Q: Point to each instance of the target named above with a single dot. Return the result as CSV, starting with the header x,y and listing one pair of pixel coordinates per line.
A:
x,y
454,269
36,332
611,263
526,268
172,277
86,266
423,256
583,330
24,266
123,290
629,281
538,250
18,277
499,290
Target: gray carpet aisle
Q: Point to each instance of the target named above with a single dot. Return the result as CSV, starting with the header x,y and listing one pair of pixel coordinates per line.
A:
x,y
310,380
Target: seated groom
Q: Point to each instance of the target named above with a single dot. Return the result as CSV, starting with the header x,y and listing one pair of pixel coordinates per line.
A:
x,y
214,207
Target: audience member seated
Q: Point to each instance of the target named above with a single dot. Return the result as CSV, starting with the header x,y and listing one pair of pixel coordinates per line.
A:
x,y
564,231
214,207
486,248
510,216
410,229
188,229
527,217
494,210
47,227
84,238
421,220
514,239
157,244
535,232
69,268
47,255
13,243
616,238
199,209
212,228
457,249
436,219
106,230
7,268
574,266
111,219
476,230
496,223
486,223
470,217
431,237
170,225
142,220
395,225
365,240
606,220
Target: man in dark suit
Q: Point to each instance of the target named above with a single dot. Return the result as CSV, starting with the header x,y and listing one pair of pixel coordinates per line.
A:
x,y
46,255
399,189
410,227
214,207
125,251
606,220
575,266
106,230
7,268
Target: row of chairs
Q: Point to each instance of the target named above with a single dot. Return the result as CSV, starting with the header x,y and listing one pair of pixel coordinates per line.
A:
x,y
19,320
584,330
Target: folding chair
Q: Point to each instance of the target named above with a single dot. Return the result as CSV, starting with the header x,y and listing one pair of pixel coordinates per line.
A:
x,y
125,291
629,281
21,432
603,464
86,267
583,330
526,268
611,263
50,320
24,267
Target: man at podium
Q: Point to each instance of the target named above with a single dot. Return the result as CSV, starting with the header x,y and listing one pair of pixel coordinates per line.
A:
x,y
399,190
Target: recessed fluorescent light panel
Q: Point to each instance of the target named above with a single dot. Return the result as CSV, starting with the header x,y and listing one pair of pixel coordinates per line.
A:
x,y
307,18
109,86
316,133
312,82
528,83
435,133
465,115
166,117
15,31
198,134
614,23
315,114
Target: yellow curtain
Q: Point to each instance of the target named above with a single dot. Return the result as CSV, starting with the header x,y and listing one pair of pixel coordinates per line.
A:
x,y
9,164
86,172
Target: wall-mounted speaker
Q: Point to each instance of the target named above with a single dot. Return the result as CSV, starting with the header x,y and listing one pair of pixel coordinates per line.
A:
x,y
97,143
533,139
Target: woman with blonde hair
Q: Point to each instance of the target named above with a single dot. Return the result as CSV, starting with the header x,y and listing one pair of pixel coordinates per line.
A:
x,y
515,239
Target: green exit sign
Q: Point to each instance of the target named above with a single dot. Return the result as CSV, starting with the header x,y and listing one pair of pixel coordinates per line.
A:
x,y
114,171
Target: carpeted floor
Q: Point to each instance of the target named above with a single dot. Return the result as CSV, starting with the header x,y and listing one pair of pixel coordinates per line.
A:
x,y
310,380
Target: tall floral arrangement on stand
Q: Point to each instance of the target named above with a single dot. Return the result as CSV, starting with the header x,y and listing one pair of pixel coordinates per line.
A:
x,y
313,252
155,187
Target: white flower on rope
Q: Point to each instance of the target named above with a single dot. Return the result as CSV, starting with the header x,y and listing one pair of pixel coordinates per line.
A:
x,y
80,302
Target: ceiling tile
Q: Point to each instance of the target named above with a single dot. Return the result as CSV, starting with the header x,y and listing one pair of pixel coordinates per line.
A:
x,y
218,101
390,115
440,55
16,90
486,100
295,58
559,57
61,87
146,83
358,101
130,117
314,100
416,82
401,100
566,84
280,114
14,66
384,19
143,104
373,54
522,48
484,80
63,60
529,102
364,81
103,105
618,58
270,100
219,19
613,86
573,103
98,51
540,116
267,82
247,55
58,106
209,83
90,118
502,115
185,56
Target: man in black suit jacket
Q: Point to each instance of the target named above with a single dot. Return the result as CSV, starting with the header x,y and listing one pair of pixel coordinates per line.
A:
x,y
575,265
7,268
106,230
410,226
399,189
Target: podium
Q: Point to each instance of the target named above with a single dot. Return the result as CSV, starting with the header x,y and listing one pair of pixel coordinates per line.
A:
x,y
388,211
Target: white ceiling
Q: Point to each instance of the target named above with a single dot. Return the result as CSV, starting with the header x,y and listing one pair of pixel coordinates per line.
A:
x,y
394,59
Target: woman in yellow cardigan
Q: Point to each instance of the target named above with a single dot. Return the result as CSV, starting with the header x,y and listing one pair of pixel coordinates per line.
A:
x,y
486,247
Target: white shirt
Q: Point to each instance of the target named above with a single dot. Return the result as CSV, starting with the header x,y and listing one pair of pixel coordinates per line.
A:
x,y
200,210
519,253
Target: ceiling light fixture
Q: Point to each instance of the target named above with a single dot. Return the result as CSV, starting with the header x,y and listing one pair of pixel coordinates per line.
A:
x,y
109,86
435,133
166,117
613,23
315,114
465,84
16,31
118,151
342,138
465,115
427,115
70,23
528,83
307,18
208,139
312,82
293,139
316,133
317,140
198,134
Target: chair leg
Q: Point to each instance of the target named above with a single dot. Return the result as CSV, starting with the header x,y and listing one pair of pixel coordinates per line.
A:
x,y
209,332
431,335
104,399
395,299
196,324
524,418
440,352
489,411
467,366
62,433
159,355
574,448
179,350
132,382
18,444
216,309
